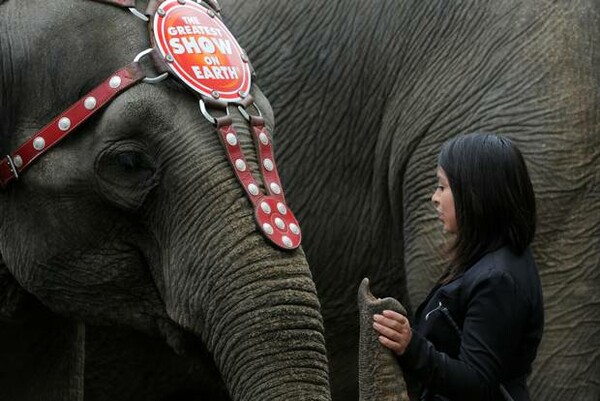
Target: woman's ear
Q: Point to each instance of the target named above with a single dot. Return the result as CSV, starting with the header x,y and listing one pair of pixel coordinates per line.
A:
x,y
12,295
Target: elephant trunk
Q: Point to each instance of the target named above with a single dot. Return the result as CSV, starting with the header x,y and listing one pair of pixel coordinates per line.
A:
x,y
256,310
380,377
267,337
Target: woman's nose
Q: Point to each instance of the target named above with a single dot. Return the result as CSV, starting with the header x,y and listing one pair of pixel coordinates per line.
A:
x,y
434,197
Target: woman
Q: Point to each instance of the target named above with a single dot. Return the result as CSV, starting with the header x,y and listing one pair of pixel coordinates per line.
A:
x,y
476,335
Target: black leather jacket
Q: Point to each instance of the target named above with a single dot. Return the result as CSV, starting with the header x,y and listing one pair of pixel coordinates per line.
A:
x,y
478,331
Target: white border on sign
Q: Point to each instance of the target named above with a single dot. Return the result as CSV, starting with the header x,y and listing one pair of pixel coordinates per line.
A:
x,y
178,70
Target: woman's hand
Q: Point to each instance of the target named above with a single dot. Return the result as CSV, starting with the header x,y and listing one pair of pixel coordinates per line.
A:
x,y
394,329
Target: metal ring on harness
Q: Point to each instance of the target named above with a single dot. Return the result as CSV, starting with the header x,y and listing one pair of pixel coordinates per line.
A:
x,y
150,80
207,115
139,14
245,114
12,167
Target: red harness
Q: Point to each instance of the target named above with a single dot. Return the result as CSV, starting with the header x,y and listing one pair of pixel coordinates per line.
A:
x,y
274,218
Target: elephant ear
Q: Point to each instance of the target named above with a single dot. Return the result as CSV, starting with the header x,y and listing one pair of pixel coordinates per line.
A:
x,y
12,295
379,374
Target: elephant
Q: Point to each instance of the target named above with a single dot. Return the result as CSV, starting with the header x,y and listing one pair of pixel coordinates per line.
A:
x,y
131,264
365,93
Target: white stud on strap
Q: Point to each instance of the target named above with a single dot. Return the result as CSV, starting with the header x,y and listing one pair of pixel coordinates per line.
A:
x,y
268,163
64,124
265,207
231,139
240,165
264,139
89,102
279,223
253,189
18,161
115,82
275,188
39,143
268,228
287,241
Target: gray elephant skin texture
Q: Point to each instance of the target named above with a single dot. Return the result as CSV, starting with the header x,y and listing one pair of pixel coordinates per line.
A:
x,y
132,268
380,376
365,93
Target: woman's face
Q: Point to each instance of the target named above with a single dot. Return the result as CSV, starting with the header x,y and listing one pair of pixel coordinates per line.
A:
x,y
444,202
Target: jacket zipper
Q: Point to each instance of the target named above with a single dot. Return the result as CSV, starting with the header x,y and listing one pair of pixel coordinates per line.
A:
x,y
447,316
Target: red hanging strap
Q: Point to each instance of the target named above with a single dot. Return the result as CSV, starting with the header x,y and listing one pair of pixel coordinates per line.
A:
x,y
274,217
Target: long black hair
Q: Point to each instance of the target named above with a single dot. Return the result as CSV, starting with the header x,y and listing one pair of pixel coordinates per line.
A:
x,y
493,197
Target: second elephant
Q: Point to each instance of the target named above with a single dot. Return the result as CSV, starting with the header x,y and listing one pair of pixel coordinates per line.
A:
x,y
365,93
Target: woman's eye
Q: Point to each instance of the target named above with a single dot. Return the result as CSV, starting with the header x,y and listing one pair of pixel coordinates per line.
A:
x,y
440,187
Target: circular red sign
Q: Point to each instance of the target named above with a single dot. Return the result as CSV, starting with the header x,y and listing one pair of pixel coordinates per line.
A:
x,y
201,51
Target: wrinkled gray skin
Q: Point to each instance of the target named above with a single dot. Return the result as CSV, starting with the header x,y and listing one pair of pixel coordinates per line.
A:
x,y
136,222
365,92
380,376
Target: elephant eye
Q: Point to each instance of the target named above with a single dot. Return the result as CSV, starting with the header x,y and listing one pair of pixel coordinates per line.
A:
x,y
132,160
125,174
132,165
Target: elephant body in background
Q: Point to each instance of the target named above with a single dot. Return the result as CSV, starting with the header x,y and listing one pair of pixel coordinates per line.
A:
x,y
365,93
134,233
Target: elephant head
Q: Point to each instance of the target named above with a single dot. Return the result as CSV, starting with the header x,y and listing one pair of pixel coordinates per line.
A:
x,y
137,218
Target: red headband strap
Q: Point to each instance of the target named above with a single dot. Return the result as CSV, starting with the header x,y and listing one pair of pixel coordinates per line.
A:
x,y
65,123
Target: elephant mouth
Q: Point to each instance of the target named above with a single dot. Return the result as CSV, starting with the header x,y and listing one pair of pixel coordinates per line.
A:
x,y
180,340
122,361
